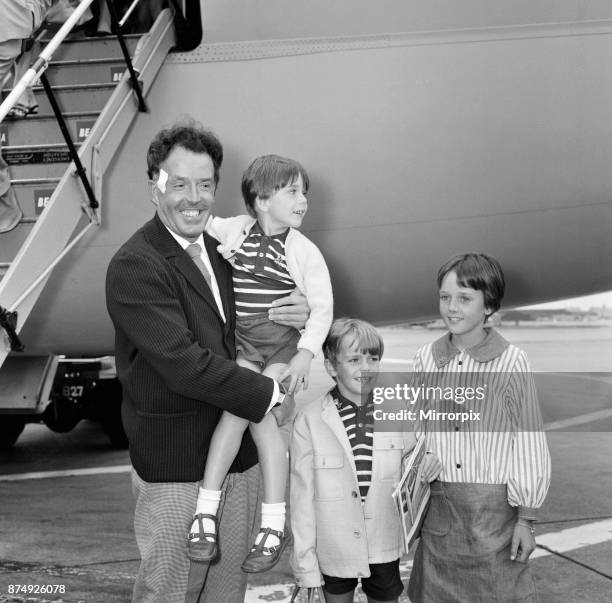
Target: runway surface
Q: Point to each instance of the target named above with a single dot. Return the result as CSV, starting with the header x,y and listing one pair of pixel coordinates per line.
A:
x,y
66,506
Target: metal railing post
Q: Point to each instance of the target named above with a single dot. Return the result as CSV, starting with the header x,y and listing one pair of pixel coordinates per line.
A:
x,y
93,203
116,29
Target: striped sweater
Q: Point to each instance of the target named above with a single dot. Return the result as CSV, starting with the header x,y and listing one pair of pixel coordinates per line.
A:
x,y
305,264
506,445
358,422
260,273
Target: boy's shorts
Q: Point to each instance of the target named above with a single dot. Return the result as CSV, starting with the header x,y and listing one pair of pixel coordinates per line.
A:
x,y
384,583
264,342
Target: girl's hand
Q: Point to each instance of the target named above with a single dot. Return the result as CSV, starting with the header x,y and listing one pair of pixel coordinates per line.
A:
x,y
523,542
297,370
430,468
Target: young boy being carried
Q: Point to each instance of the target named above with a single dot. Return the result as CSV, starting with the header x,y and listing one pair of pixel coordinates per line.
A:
x,y
270,258
343,471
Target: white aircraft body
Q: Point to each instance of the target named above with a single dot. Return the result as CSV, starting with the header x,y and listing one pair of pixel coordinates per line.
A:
x,y
427,129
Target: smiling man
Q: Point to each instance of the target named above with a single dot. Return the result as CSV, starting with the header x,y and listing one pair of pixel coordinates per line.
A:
x,y
169,295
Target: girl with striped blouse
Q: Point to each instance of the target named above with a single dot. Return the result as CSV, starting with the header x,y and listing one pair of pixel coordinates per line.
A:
x,y
478,532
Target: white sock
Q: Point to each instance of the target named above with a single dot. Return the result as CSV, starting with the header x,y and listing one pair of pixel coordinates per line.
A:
x,y
272,516
208,502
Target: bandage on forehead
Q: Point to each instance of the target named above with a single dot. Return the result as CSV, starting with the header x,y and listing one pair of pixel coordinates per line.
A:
x,y
161,180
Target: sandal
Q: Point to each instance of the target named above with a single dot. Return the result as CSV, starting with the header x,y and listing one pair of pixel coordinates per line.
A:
x,y
19,111
263,558
199,547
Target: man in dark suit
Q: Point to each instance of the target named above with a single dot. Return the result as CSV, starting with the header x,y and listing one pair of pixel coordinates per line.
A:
x,y
174,319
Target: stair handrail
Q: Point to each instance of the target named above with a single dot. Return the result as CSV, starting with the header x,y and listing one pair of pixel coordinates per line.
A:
x,y
128,12
42,62
9,314
134,4
116,29
38,68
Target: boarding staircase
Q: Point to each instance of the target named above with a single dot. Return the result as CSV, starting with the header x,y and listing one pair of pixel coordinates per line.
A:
x,y
94,90
57,161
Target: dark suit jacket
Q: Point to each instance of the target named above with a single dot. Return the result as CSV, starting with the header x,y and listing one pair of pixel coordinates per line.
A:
x,y
175,356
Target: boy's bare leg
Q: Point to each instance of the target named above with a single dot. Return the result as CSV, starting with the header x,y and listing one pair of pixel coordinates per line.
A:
x,y
274,463
272,450
225,442
224,446
344,598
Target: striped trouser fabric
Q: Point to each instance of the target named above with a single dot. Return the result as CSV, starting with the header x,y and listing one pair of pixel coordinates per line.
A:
x,y
162,519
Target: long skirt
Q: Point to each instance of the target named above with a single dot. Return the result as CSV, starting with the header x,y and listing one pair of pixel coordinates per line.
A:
x,y
464,552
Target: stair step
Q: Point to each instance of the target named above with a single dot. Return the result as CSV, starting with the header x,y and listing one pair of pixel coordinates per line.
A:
x,y
88,97
36,153
92,71
37,161
93,48
33,194
35,128
35,170
71,98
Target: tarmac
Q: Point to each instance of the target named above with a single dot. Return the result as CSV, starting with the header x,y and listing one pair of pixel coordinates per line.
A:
x,y
66,505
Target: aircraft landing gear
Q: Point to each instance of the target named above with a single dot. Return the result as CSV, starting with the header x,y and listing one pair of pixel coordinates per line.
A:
x,y
81,390
61,415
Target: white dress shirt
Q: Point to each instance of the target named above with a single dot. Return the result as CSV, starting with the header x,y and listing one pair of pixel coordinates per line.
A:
x,y
184,243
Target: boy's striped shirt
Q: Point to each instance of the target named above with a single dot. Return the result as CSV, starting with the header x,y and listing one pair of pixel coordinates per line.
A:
x,y
359,425
260,273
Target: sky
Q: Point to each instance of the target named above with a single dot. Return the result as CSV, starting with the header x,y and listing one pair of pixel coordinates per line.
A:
x,y
584,303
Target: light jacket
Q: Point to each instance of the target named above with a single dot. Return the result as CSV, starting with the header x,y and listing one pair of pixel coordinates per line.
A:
x,y
333,532
306,267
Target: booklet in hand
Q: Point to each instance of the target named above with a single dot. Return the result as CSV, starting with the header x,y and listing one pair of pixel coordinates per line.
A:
x,y
412,496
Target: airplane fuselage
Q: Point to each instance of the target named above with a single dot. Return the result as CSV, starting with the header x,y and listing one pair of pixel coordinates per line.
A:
x,y
424,134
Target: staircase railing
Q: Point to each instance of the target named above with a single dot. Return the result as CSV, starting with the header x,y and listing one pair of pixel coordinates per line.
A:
x,y
42,62
19,298
38,68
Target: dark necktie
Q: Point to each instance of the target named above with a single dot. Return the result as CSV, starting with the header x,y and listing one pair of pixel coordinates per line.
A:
x,y
195,252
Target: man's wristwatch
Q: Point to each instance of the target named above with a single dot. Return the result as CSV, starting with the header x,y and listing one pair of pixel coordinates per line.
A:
x,y
282,393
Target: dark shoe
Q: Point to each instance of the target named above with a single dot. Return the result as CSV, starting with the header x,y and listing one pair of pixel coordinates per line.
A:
x,y
199,548
263,558
20,111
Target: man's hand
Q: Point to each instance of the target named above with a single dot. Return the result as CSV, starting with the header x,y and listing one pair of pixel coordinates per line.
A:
x,y
291,311
431,467
297,371
523,542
